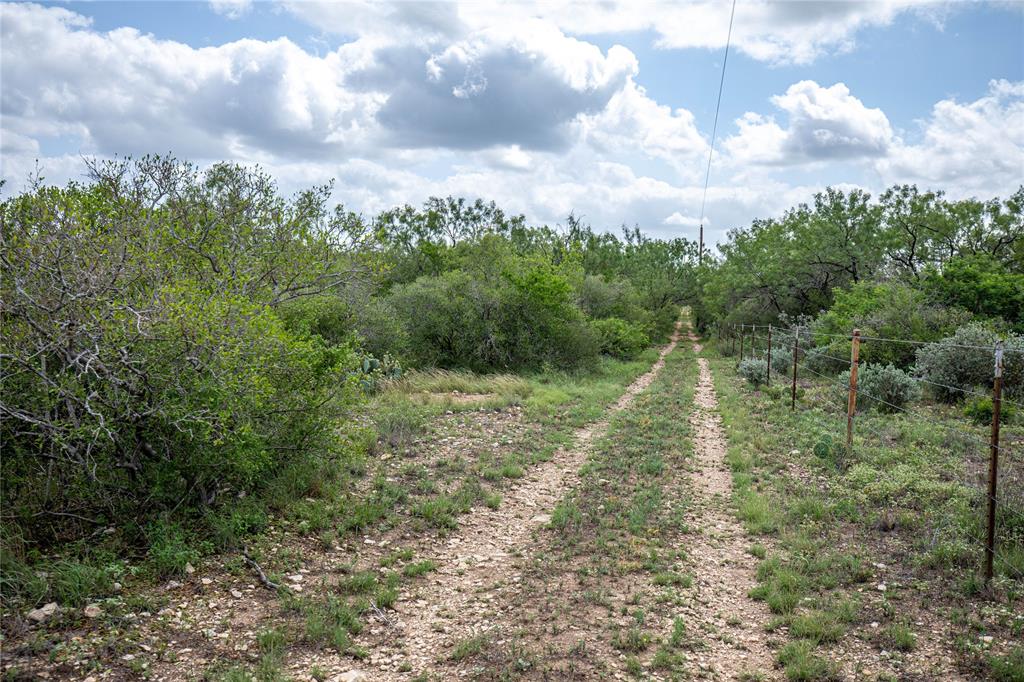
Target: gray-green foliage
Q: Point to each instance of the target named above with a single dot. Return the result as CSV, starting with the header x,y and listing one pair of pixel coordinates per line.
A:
x,y
880,387
782,361
965,361
753,370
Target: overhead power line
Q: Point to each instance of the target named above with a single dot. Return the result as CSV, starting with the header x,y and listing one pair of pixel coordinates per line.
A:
x,y
714,133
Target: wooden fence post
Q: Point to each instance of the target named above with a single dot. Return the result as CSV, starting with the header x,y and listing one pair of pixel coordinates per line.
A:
x,y
741,343
732,339
993,465
851,405
796,348
768,372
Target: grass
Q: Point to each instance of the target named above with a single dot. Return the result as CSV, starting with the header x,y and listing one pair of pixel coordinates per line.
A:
x,y
899,637
440,384
468,647
633,640
833,517
803,665
419,568
623,524
374,486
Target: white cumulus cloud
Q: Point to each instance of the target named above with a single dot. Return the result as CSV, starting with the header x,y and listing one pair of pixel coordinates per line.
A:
x,y
966,147
822,124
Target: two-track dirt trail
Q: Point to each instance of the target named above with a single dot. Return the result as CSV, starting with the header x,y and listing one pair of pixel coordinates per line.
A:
x,y
486,554
723,571
479,555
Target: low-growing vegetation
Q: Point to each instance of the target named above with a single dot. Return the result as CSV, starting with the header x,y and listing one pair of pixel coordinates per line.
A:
x,y
876,544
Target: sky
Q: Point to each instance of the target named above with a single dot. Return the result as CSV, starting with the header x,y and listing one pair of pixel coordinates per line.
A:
x,y
602,109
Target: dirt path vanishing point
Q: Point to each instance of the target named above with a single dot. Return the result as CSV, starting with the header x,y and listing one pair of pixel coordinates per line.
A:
x,y
479,554
723,572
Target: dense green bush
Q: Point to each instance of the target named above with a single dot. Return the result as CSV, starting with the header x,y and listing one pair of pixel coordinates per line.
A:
x,y
753,370
600,298
888,311
156,373
979,410
883,388
620,339
964,362
523,318
980,283
379,329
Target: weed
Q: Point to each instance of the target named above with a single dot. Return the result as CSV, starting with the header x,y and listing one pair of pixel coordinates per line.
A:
x,y
468,648
419,568
817,627
803,665
899,637
634,640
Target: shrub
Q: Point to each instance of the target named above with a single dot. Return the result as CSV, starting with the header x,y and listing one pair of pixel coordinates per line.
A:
x,y
753,370
600,298
885,389
782,361
663,322
157,373
619,338
952,368
324,316
379,328
889,310
521,318
980,283
979,410
891,388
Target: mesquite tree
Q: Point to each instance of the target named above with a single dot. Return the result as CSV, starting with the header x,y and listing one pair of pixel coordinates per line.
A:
x,y
143,364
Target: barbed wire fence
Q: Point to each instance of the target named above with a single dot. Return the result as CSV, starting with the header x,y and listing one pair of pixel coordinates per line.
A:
x,y
991,471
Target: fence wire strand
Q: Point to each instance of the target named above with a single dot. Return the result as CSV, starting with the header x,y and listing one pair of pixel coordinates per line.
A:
x,y
828,417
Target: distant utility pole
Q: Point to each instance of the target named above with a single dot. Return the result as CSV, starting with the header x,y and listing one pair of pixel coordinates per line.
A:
x,y
714,133
700,249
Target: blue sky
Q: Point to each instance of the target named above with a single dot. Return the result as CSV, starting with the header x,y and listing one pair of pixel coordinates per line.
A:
x,y
545,107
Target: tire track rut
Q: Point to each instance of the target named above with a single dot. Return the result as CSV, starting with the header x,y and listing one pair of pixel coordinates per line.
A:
x,y
478,556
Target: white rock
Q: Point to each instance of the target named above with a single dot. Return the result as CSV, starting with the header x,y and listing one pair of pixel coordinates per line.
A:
x,y
206,581
43,612
236,594
352,676
190,569
92,611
